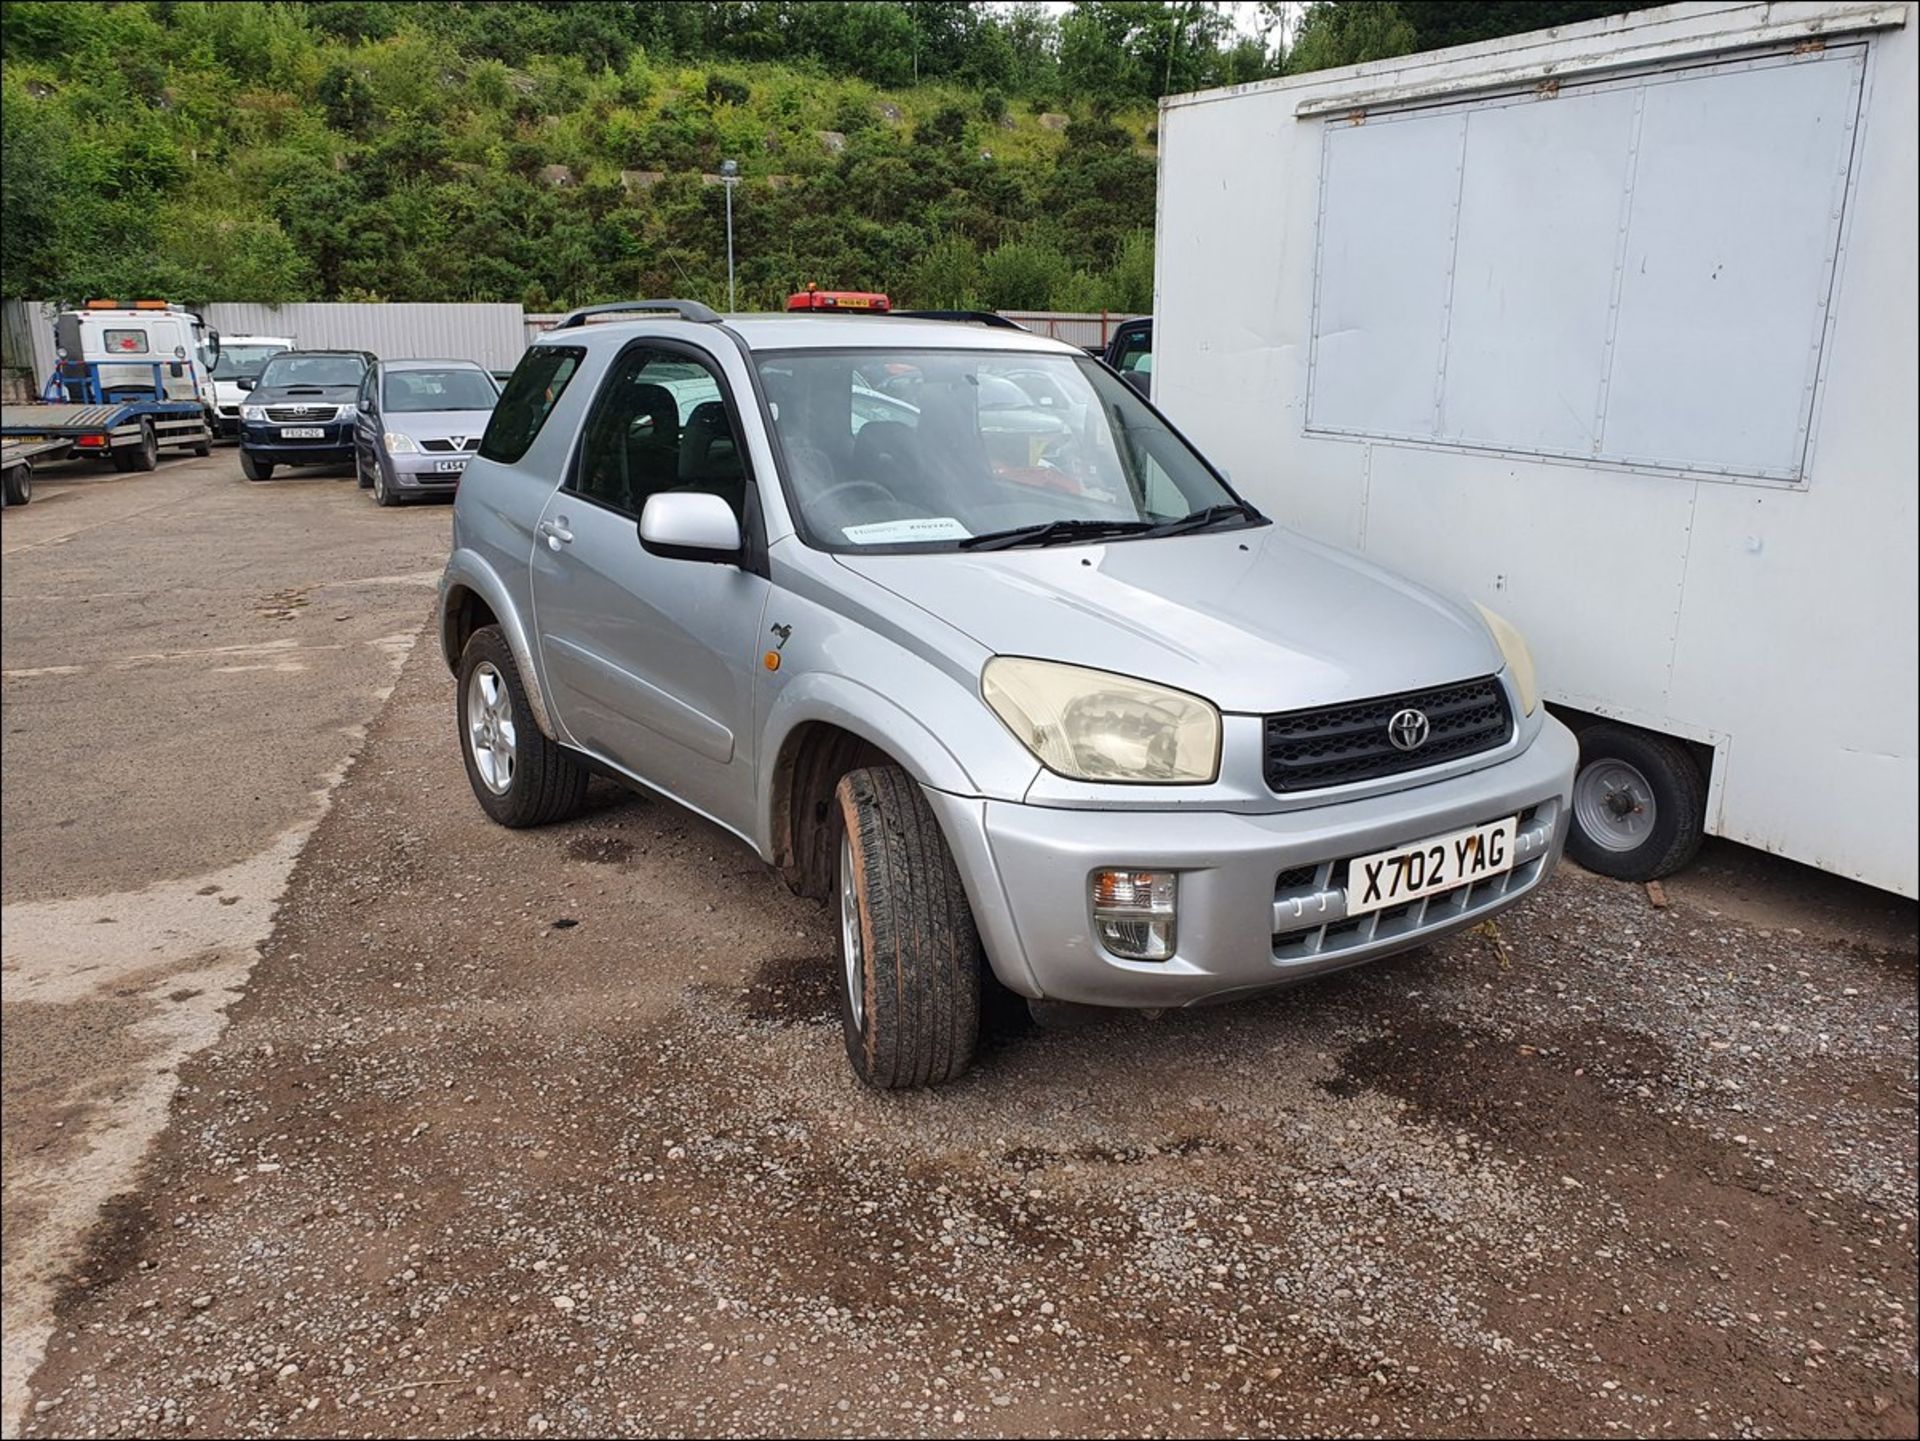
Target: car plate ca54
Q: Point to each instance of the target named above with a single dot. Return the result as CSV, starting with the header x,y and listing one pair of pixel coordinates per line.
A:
x,y
1425,868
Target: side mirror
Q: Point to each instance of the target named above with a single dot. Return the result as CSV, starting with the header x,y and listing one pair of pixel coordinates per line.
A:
x,y
690,525
245,382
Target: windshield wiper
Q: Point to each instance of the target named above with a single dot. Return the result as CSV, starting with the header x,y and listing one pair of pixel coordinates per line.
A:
x,y
1210,516
1054,532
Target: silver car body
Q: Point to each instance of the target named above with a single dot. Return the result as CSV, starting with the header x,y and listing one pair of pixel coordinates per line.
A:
x,y
445,440
659,670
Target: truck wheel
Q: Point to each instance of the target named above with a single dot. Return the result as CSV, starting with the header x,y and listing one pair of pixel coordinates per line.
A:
x,y
255,469
1639,804
911,961
146,455
204,445
19,484
519,776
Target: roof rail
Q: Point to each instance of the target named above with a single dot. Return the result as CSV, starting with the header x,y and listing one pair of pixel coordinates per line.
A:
x,y
980,317
691,310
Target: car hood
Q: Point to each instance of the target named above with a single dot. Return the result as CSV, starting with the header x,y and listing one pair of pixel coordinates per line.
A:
x,y
303,395
1256,620
435,424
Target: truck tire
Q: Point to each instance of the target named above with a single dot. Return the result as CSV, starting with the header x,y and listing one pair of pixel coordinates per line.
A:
x,y
204,445
519,776
255,469
18,484
911,962
1639,804
145,455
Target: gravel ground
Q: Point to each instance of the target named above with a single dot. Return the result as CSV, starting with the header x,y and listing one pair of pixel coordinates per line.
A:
x,y
550,1132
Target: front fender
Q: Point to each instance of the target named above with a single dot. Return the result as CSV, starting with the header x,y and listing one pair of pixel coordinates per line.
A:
x,y
467,573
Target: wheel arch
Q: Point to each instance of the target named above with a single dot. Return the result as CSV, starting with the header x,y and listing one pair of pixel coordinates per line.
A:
x,y
821,728
472,595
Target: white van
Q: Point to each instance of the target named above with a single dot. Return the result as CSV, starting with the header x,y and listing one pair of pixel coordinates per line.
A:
x,y
241,357
1611,327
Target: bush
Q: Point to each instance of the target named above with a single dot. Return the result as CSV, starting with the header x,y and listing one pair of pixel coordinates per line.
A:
x,y
947,276
725,90
1023,275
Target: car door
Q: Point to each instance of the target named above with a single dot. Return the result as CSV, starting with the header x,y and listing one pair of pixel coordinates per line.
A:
x,y
366,421
650,662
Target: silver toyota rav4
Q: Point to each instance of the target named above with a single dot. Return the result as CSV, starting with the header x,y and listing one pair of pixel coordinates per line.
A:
x,y
952,627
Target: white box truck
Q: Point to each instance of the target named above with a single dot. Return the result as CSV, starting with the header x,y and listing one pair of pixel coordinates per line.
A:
x,y
1612,328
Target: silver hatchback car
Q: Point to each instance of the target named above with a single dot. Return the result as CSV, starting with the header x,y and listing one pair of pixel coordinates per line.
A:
x,y
1039,706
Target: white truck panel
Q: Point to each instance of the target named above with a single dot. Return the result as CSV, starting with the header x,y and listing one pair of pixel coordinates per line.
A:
x,y
1633,362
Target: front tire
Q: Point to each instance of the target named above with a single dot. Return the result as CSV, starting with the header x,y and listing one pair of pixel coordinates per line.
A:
x,y
255,469
360,476
519,776
911,962
382,492
1639,804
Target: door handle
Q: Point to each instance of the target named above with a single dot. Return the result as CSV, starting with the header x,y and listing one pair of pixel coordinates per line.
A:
x,y
556,532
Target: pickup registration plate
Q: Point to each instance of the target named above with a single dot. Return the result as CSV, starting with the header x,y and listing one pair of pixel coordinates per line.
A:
x,y
449,467
303,432
1406,873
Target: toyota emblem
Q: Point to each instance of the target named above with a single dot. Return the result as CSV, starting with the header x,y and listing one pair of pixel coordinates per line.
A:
x,y
1408,729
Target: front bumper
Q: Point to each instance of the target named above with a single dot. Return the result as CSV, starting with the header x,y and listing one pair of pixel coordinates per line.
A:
x,y
265,441
422,472
1260,904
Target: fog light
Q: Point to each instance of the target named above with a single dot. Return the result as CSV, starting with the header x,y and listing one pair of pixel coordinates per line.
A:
x,y
1133,912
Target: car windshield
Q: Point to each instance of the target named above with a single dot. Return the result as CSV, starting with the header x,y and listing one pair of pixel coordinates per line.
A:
x,y
450,389
957,449
288,369
237,361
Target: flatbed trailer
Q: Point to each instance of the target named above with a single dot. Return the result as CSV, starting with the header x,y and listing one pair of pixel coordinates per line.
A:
x,y
17,459
77,415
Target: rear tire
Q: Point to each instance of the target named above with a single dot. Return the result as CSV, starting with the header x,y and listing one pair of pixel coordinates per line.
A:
x,y
519,776
910,959
18,484
1639,804
255,469
146,455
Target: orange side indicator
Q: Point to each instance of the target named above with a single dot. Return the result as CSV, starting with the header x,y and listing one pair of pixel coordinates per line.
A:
x,y
771,660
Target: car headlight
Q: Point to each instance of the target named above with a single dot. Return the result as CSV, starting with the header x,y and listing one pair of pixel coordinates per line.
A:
x,y
398,444
1519,659
253,412
1096,726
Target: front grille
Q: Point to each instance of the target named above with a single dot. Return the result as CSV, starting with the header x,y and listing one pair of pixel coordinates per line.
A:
x,y
1338,745
302,412
446,446
229,410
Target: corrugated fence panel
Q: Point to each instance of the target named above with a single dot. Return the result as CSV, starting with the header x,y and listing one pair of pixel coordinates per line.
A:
x,y
494,335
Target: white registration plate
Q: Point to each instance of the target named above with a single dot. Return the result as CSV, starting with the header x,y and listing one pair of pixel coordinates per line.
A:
x,y
449,467
303,432
1406,873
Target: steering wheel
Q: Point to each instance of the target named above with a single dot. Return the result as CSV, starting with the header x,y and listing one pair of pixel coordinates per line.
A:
x,y
826,496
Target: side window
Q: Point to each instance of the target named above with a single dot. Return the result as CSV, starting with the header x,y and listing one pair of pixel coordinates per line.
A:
x,y
369,387
658,424
538,381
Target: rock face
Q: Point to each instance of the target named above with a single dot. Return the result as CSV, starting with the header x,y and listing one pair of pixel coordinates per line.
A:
x,y
558,176
832,141
635,180
1053,120
888,112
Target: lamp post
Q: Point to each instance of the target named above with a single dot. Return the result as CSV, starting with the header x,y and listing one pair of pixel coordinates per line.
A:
x,y
729,177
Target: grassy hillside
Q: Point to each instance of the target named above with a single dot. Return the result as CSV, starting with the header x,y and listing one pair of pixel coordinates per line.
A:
x,y
254,152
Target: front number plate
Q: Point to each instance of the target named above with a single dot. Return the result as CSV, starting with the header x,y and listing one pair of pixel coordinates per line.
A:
x,y
303,432
1391,878
449,467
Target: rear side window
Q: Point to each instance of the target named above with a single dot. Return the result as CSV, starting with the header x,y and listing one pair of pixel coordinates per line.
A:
x,y
126,342
538,381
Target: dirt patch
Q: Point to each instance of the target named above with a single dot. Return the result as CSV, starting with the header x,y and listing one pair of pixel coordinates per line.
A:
x,y
466,1173
793,991
600,850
